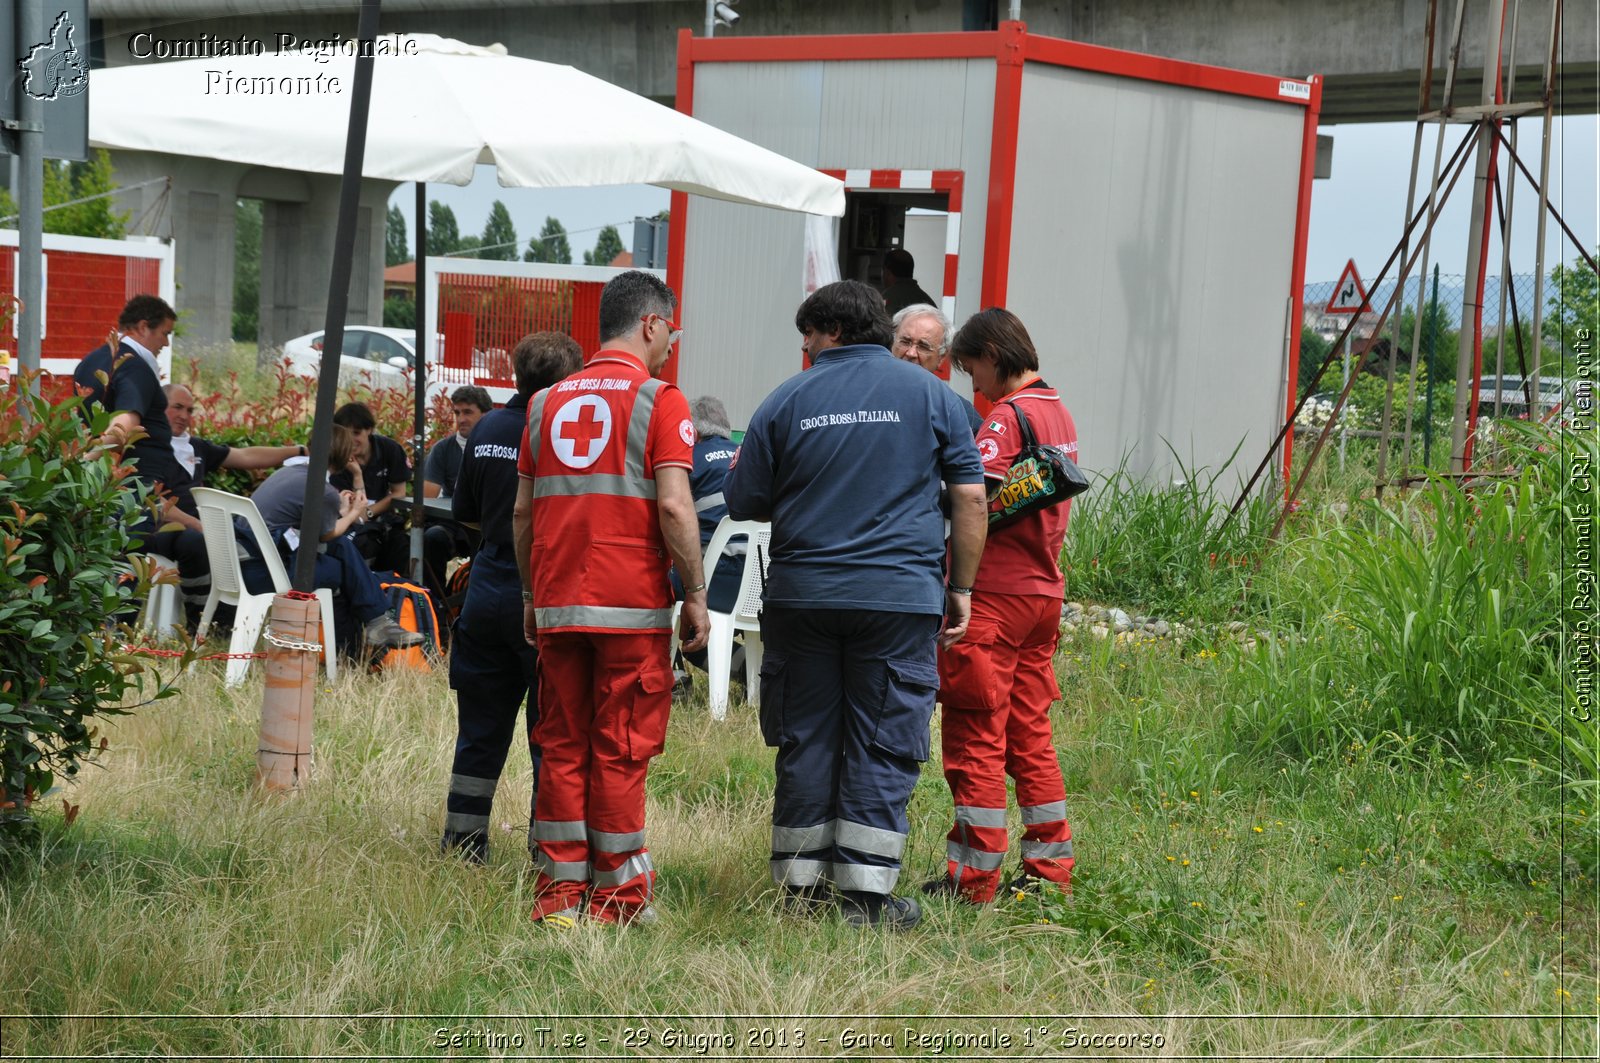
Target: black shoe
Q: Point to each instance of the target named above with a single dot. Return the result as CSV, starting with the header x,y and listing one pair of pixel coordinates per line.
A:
x,y
807,900
943,886
867,910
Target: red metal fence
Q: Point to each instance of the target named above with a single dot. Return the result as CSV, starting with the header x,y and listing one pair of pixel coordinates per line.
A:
x,y
481,319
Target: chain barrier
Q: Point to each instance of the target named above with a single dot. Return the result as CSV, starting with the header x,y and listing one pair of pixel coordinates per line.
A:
x,y
290,644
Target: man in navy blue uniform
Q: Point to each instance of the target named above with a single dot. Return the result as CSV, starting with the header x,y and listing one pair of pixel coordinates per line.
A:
x,y
713,454
493,670
846,461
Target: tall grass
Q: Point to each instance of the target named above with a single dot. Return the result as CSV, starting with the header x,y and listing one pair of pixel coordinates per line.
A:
x,y
1435,617
1168,549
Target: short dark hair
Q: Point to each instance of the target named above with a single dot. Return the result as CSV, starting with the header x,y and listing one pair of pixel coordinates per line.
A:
x,y
999,331
341,448
475,395
355,416
151,310
544,358
852,309
900,263
630,297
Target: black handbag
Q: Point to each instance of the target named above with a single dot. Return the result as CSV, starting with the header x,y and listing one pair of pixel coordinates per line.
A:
x,y
1041,477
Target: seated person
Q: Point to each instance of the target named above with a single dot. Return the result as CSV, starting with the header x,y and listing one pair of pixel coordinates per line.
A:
x,y
281,500
442,541
380,474
713,453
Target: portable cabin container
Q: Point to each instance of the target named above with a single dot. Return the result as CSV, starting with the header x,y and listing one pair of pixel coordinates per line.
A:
x,y
1145,217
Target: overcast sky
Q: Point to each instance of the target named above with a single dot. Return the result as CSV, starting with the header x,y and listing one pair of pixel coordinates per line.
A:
x,y
1357,213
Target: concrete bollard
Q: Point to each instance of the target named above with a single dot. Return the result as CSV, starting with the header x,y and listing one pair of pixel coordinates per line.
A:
x,y
283,755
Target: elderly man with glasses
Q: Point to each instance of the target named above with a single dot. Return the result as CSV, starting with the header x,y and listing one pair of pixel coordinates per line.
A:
x,y
922,335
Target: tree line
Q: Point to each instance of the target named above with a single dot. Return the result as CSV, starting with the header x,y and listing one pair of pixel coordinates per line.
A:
x,y
498,241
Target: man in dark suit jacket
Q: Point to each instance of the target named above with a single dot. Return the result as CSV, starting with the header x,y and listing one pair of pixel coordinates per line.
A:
x,y
899,290
127,381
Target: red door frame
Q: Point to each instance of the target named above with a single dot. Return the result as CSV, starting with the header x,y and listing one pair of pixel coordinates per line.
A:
x,y
1011,46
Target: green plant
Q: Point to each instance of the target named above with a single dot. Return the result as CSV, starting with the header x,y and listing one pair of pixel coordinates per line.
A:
x,y
64,512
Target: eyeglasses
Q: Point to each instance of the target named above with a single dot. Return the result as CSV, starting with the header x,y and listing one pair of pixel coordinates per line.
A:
x,y
922,346
674,333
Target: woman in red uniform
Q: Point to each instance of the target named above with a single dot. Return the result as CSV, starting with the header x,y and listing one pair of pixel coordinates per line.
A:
x,y
997,684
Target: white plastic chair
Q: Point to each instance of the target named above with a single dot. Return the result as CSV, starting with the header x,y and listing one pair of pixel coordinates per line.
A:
x,y
217,510
161,614
745,615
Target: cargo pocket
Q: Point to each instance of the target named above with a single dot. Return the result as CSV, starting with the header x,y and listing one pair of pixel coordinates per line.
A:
x,y
647,730
967,678
908,691
774,678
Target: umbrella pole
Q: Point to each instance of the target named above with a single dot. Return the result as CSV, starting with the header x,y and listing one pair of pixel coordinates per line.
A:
x,y
344,239
419,423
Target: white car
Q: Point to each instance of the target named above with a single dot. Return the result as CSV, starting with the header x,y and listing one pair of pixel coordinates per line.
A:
x,y
375,356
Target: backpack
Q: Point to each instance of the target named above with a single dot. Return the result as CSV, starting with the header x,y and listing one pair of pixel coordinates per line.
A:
x,y
413,610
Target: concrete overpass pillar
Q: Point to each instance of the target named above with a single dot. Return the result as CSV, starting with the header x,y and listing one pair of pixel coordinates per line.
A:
x,y
194,208
297,251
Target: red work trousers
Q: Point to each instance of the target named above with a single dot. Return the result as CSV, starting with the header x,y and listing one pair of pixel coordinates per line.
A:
x,y
996,686
603,701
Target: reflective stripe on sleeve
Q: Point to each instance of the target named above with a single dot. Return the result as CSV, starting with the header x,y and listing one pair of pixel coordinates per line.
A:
x,y
873,840
603,616
1050,813
709,502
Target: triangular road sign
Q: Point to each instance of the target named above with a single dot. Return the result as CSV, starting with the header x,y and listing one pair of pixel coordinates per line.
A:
x,y
1349,295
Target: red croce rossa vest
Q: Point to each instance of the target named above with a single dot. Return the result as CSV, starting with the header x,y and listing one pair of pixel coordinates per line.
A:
x,y
599,559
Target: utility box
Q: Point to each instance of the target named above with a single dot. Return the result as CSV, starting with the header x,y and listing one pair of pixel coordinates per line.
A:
x,y
1145,217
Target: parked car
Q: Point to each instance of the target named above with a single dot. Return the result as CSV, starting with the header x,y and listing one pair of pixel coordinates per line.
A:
x,y
375,356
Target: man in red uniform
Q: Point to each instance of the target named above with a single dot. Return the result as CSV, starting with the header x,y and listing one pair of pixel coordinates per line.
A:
x,y
604,488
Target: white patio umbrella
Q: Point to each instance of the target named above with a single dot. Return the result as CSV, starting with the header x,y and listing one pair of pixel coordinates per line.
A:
x,y
439,107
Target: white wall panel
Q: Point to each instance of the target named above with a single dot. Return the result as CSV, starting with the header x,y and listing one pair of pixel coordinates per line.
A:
x,y
742,265
1152,240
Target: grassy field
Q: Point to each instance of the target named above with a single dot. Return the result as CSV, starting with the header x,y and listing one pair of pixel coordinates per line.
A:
x,y
1286,849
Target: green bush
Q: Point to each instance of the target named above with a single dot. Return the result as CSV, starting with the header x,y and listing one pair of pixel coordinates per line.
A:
x,y
64,509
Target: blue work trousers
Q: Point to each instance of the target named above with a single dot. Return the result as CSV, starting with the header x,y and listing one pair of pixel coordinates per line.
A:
x,y
494,672
846,698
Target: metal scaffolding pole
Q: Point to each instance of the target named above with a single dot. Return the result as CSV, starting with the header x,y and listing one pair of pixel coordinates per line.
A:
x,y
1445,104
1506,217
1549,95
1471,333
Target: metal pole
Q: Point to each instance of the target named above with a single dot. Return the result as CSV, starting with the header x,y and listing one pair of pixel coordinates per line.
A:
x,y
1344,422
344,239
1536,410
711,18
1424,91
1470,336
30,198
420,419
1445,105
1505,223
1427,415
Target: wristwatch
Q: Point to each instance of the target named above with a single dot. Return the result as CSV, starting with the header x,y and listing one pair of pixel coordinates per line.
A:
x,y
527,596
953,589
